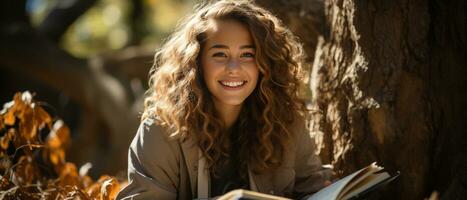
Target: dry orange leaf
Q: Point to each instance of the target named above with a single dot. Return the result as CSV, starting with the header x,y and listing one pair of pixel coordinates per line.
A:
x,y
26,118
57,156
2,124
69,175
109,189
59,136
42,117
5,140
28,126
9,116
94,190
87,181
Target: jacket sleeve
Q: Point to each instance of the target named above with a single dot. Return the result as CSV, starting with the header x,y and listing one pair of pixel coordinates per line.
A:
x,y
309,173
153,170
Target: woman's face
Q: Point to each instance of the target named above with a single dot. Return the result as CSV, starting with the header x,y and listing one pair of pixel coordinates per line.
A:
x,y
228,62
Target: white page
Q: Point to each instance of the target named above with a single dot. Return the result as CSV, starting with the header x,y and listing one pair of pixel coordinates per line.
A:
x,y
332,191
364,185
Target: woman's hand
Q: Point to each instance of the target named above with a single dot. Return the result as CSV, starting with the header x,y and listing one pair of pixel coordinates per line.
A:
x,y
434,196
331,175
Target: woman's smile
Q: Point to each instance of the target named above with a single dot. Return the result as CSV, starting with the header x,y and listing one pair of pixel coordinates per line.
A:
x,y
232,85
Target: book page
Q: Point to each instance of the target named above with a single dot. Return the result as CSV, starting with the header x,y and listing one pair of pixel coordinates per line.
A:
x,y
368,171
339,188
365,184
247,194
332,191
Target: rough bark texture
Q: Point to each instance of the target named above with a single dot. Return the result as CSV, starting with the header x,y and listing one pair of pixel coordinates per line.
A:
x,y
389,78
447,80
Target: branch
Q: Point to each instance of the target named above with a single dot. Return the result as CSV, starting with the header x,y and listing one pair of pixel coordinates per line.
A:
x,y
62,16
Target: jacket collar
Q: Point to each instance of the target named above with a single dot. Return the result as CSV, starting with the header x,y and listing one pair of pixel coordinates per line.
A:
x,y
261,182
192,154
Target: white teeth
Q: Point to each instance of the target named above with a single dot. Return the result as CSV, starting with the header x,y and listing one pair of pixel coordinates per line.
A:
x,y
233,83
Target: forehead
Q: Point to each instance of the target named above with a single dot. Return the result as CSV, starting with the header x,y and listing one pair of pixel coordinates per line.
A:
x,y
228,32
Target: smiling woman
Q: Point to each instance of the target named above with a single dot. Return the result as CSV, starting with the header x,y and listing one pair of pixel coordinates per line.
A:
x,y
229,67
223,111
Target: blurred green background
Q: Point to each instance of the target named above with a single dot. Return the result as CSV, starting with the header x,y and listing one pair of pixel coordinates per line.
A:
x,y
111,24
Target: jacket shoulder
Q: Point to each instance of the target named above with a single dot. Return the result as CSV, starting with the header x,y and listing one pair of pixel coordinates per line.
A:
x,y
152,142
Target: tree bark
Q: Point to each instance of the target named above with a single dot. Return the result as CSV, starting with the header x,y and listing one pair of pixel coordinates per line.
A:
x,y
447,79
389,78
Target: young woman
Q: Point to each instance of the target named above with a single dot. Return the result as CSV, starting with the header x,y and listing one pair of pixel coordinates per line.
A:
x,y
223,111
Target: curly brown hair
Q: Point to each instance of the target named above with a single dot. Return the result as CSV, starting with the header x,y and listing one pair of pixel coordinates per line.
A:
x,y
179,99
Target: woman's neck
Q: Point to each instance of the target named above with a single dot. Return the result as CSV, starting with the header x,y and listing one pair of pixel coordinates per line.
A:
x,y
228,113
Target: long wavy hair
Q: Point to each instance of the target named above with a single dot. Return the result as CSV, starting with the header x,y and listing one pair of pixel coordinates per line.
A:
x,y
178,98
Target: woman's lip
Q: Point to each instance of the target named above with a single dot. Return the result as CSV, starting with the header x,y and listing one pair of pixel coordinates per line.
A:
x,y
233,87
232,80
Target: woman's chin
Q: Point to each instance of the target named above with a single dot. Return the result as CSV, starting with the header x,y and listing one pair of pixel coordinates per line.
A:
x,y
231,101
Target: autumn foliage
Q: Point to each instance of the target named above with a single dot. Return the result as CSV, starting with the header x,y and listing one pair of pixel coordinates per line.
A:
x,y
32,157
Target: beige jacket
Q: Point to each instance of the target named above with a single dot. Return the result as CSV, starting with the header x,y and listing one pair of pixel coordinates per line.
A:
x,y
160,168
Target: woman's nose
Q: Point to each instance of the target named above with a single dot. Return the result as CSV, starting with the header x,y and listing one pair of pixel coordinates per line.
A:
x,y
233,64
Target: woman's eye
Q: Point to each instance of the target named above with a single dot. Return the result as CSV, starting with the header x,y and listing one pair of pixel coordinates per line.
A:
x,y
219,54
248,55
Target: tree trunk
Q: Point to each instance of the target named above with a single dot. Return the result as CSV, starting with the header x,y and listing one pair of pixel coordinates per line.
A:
x,y
447,79
389,78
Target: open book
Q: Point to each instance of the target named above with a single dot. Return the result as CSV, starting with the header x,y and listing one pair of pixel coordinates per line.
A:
x,y
349,187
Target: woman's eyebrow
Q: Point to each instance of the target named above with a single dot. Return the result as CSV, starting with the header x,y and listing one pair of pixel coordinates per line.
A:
x,y
250,46
219,46
222,46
